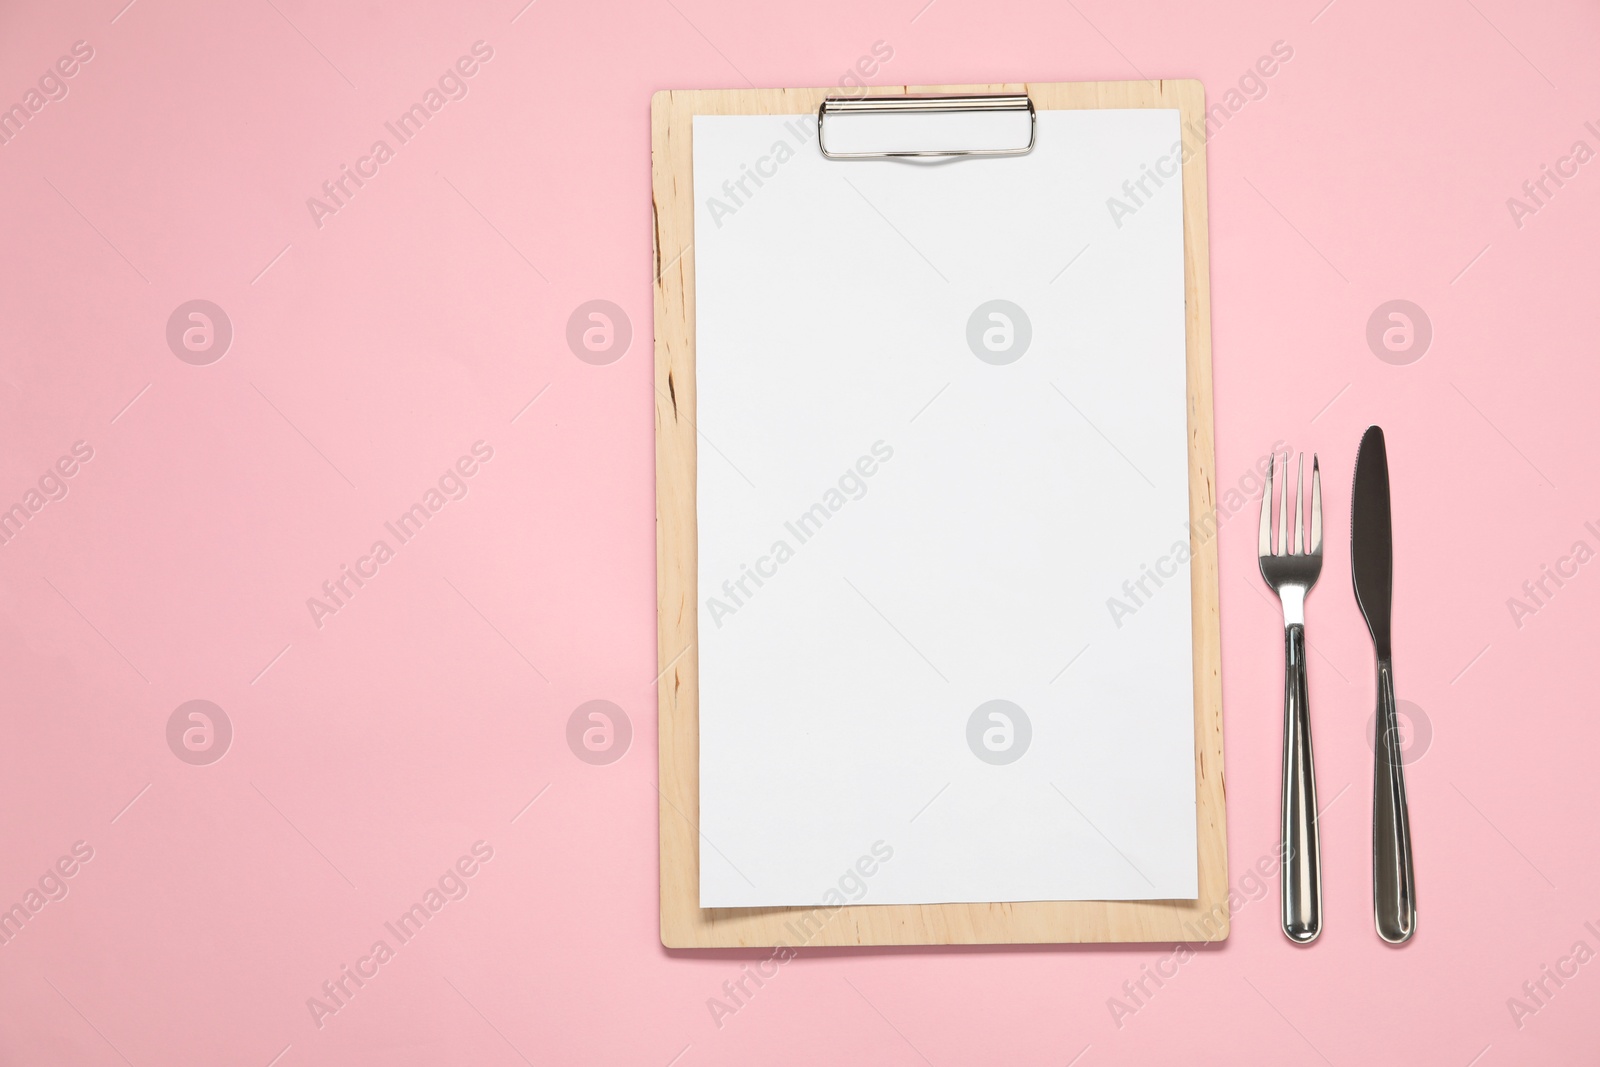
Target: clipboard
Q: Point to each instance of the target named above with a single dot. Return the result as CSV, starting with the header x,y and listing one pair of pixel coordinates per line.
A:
x,y
684,924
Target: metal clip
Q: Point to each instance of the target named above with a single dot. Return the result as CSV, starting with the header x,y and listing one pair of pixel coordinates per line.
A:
x,y
928,104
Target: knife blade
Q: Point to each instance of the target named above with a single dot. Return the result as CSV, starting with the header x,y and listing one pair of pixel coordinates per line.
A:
x,y
1371,543
1394,899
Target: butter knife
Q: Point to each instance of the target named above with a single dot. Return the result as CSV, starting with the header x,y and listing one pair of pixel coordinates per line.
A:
x,y
1394,902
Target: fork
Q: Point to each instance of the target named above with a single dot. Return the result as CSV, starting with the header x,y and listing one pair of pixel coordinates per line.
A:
x,y
1291,571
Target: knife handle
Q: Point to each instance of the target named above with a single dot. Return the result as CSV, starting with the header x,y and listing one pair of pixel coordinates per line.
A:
x,y
1301,899
1394,894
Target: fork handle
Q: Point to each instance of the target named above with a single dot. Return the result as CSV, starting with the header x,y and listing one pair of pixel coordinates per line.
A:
x,y
1394,893
1301,900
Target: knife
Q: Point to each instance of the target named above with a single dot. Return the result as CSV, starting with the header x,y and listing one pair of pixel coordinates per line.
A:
x,y
1394,900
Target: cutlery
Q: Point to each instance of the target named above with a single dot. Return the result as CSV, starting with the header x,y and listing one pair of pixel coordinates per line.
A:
x,y
1291,571
1394,900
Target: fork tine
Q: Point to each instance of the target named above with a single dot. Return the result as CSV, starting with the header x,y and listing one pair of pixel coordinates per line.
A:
x,y
1264,544
1298,547
1316,507
1283,510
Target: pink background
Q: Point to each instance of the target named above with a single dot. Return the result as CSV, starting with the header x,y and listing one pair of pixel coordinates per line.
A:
x,y
372,352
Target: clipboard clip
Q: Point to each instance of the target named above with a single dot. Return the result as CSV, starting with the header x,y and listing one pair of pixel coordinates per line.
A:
x,y
1011,105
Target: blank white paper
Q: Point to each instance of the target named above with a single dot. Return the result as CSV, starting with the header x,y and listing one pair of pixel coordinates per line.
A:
x,y
902,520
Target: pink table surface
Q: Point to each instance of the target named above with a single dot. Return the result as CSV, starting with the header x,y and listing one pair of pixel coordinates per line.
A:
x,y
373,747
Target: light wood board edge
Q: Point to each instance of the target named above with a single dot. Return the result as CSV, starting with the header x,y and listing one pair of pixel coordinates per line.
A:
x,y
684,924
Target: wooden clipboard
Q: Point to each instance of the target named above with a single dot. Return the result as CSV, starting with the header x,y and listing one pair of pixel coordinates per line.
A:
x,y
684,924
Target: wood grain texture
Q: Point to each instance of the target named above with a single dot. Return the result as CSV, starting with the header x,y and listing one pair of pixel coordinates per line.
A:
x,y
684,924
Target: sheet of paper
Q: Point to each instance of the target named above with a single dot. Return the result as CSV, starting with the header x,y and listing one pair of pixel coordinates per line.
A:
x,y
944,612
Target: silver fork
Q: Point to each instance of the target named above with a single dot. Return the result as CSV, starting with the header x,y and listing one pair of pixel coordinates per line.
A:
x,y
1291,571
